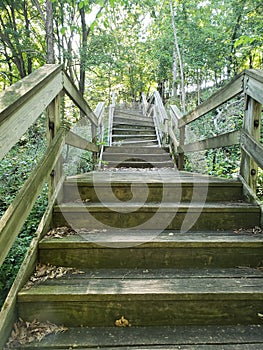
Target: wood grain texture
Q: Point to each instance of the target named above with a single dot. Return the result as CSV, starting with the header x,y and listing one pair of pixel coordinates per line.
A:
x,y
75,140
224,140
26,113
150,338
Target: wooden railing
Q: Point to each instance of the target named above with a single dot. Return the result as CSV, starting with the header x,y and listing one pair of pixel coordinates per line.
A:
x,y
20,107
155,108
250,84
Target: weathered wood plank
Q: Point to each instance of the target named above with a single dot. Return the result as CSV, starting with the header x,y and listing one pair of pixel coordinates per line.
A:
x,y
27,112
174,140
224,140
74,94
252,148
8,312
98,251
229,91
176,114
256,74
171,301
253,87
75,140
145,312
17,94
176,216
14,217
251,125
150,338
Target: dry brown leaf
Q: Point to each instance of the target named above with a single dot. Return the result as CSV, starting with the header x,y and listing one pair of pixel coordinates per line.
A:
x,y
122,322
60,232
44,272
255,230
27,332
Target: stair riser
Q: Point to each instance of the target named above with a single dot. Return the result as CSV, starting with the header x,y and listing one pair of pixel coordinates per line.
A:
x,y
183,192
102,256
217,220
177,310
144,157
134,131
138,165
132,123
125,138
134,150
136,144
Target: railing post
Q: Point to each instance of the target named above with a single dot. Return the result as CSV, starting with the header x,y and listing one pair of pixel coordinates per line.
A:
x,y
53,125
181,144
252,121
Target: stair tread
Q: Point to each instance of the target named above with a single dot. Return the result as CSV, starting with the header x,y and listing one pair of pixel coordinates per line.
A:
x,y
153,238
155,338
152,176
162,207
157,286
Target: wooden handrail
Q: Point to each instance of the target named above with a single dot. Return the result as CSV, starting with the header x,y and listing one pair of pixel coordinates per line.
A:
x,y
249,83
229,91
20,106
15,216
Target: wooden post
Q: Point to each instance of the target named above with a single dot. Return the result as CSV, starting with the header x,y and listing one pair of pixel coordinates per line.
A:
x,y
53,125
252,121
94,140
181,143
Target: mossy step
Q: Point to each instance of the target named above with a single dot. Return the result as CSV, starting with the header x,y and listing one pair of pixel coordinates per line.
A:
x,y
152,249
144,216
160,300
125,186
155,338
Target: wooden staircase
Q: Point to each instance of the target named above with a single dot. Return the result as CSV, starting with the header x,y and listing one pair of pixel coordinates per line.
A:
x,y
156,258
135,143
170,254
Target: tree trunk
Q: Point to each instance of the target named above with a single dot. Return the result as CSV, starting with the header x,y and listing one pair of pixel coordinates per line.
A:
x,y
179,57
49,32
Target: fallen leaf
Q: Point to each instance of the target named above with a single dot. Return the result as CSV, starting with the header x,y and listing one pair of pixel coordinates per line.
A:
x,y
122,322
60,232
45,272
26,332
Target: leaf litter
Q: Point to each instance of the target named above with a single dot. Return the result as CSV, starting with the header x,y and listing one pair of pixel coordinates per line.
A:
x,y
254,230
60,232
44,272
27,332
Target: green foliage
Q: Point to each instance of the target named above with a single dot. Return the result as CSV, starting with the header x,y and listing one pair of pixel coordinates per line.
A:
x,y
15,168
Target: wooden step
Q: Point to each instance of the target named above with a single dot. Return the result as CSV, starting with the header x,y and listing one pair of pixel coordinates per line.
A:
x,y
178,216
138,164
168,186
120,157
152,249
239,337
123,131
133,149
131,137
139,122
146,299
136,142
